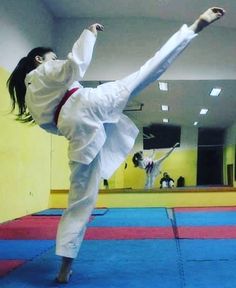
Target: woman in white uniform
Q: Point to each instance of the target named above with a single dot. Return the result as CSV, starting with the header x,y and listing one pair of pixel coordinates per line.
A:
x,y
100,136
151,165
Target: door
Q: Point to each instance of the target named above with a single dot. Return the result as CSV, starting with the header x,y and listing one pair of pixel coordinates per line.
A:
x,y
230,180
209,166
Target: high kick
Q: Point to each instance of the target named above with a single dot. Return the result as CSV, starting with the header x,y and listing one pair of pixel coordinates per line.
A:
x,y
157,65
100,135
85,178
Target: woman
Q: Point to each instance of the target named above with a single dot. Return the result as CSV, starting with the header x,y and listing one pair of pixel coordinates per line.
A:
x,y
100,136
151,165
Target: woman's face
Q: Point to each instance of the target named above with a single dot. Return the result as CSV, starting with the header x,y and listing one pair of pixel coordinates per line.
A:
x,y
46,57
49,56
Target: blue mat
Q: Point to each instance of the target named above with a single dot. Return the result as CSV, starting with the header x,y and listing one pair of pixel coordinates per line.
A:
x,y
127,263
208,249
58,212
210,274
141,217
136,264
23,249
50,212
206,218
209,263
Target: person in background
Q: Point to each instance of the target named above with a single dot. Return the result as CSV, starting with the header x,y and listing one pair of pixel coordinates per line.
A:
x,y
166,181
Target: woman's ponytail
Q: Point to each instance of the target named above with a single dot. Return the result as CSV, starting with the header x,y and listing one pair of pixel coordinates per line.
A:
x,y
16,82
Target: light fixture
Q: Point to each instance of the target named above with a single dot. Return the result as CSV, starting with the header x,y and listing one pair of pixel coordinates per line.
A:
x,y
163,86
203,111
164,108
165,120
215,92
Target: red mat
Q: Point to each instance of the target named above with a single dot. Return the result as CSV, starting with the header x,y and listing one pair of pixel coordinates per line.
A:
x,y
28,233
8,265
205,209
45,227
31,228
210,232
122,233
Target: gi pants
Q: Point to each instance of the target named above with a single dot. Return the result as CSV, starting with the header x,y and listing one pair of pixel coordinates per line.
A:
x,y
151,176
84,183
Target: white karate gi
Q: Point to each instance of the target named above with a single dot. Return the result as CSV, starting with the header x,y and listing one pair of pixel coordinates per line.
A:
x,y
100,135
151,173
152,168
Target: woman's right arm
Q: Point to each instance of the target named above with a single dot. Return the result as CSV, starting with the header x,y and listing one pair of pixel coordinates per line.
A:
x,y
65,72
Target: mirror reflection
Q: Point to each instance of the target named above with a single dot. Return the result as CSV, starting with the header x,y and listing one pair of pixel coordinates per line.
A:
x,y
206,150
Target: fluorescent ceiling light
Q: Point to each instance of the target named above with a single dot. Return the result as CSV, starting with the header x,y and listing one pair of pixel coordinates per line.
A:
x,y
164,107
163,86
215,92
195,123
165,120
203,111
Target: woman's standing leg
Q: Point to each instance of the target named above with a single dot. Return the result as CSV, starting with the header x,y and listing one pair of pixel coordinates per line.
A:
x,y
84,184
148,181
155,172
152,180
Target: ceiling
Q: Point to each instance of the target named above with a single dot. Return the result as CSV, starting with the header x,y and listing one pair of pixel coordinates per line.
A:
x,y
185,98
171,10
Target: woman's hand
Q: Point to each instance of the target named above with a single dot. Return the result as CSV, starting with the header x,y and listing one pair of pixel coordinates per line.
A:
x,y
96,27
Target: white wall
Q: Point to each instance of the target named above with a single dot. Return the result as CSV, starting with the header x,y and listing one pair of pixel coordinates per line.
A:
x,y
229,152
25,24
24,151
189,137
230,137
127,43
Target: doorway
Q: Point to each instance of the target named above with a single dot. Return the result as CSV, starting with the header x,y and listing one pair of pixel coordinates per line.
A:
x,y
230,173
209,165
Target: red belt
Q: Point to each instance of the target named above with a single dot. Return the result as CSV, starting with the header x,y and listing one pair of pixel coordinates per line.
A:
x,y
63,101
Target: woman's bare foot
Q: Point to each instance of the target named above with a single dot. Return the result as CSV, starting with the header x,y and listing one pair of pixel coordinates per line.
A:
x,y
64,278
65,270
209,16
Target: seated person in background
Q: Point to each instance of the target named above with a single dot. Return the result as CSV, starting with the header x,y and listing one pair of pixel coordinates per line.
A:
x,y
166,181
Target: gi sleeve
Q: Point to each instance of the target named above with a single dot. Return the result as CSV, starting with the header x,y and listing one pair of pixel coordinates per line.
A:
x,y
65,72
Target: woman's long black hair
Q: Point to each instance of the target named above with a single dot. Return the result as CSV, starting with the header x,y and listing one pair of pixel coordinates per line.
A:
x,y
136,158
16,82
